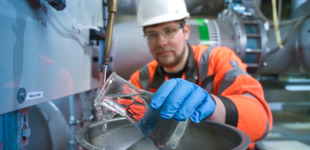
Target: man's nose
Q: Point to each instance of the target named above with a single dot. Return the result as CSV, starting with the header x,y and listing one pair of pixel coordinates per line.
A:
x,y
162,40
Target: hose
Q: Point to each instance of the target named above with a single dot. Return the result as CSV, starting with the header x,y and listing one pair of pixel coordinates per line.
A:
x,y
280,10
297,22
286,22
276,23
296,25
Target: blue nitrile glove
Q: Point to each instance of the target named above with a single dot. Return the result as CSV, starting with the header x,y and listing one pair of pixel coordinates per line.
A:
x,y
181,99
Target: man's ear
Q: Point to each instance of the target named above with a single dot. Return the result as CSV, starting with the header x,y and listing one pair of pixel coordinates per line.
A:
x,y
187,30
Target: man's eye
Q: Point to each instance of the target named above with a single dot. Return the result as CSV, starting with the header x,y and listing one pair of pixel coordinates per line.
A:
x,y
169,31
152,35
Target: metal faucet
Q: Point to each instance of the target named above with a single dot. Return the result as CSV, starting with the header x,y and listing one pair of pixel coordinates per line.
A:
x,y
112,9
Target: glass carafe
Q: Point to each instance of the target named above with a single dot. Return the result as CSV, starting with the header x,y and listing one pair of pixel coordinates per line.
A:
x,y
120,96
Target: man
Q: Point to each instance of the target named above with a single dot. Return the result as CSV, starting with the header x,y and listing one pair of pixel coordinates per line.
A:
x,y
197,82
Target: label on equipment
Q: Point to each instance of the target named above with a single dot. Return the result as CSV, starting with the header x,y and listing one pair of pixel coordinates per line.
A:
x,y
34,95
203,32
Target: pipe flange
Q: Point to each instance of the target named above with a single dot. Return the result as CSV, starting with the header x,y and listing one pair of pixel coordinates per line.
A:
x,y
238,28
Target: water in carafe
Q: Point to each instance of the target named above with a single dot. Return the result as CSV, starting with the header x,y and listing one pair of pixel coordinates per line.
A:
x,y
123,98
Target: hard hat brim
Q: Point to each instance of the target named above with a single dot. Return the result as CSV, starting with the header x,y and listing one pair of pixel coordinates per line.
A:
x,y
162,19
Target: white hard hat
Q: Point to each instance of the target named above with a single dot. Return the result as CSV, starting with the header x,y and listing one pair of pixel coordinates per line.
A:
x,y
158,11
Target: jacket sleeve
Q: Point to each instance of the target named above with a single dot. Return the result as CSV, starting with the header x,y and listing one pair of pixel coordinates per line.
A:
x,y
242,95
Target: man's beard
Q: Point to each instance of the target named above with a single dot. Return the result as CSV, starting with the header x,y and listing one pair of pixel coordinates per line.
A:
x,y
176,61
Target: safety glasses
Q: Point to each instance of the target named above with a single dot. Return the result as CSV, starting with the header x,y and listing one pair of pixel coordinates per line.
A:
x,y
168,34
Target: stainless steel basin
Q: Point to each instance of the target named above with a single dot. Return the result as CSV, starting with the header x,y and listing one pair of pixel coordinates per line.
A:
x,y
121,135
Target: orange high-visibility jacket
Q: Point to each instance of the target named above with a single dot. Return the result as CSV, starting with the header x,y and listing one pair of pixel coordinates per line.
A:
x,y
221,72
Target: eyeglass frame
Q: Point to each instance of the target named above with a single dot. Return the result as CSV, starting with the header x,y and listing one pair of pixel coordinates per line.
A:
x,y
164,34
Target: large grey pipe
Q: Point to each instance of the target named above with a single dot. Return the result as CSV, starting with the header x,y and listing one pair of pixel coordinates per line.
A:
x,y
294,57
258,50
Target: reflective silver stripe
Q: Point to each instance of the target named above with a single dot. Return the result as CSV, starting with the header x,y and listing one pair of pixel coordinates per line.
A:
x,y
206,82
266,132
144,78
230,76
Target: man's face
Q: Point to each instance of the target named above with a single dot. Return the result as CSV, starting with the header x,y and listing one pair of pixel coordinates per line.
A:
x,y
167,42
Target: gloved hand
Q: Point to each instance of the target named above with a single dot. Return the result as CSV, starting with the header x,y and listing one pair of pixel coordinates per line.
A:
x,y
182,99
